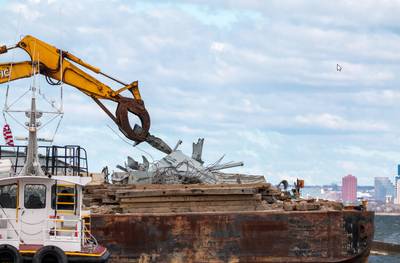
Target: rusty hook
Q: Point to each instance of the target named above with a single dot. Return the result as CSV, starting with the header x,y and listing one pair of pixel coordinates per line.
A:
x,y
138,133
136,107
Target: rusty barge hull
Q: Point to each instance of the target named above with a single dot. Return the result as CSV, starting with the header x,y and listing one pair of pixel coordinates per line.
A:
x,y
251,236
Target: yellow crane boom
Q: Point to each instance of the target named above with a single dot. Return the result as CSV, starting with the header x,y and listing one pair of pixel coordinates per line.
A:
x,y
60,66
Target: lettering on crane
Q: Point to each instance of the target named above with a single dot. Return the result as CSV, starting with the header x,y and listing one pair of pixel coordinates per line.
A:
x,y
4,73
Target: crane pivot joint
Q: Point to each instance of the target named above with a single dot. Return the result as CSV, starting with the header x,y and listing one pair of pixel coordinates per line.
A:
x,y
133,88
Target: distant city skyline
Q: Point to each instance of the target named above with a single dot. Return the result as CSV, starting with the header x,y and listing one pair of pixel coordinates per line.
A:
x,y
386,190
395,177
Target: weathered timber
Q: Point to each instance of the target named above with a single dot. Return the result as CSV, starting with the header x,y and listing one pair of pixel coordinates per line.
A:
x,y
128,196
193,204
163,199
185,192
109,201
192,209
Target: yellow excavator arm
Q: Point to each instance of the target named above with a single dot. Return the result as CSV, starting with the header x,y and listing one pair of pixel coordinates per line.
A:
x,y
59,66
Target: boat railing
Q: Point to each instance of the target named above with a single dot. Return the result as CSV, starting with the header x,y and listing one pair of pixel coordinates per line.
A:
x,y
63,229
55,160
65,233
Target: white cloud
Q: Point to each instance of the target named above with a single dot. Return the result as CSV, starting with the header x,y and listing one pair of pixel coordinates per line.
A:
x,y
24,11
326,120
258,138
351,167
383,98
218,46
364,152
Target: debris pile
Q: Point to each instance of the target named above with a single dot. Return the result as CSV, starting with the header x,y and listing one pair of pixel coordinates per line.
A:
x,y
153,198
178,168
179,183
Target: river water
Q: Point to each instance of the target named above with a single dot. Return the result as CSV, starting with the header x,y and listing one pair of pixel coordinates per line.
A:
x,y
387,229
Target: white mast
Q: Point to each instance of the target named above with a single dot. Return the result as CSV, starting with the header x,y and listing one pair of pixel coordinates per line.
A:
x,y
32,164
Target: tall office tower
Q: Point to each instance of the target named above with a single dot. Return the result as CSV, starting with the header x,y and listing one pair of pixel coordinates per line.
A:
x,y
397,185
349,188
383,188
398,192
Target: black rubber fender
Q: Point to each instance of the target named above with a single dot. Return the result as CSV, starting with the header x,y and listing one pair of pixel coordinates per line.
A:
x,y
8,252
50,251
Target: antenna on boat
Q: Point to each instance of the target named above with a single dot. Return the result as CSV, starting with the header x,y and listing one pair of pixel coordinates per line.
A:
x,y
32,164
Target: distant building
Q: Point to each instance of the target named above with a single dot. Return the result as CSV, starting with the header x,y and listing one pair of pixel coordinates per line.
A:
x,y
396,184
398,192
349,188
383,189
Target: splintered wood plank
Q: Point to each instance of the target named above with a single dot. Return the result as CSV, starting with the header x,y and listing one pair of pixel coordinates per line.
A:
x,y
191,204
194,191
193,209
160,199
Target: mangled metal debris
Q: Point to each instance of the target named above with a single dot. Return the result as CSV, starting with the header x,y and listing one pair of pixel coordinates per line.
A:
x,y
178,168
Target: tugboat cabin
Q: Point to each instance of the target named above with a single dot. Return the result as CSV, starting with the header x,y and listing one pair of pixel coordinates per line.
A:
x,y
41,215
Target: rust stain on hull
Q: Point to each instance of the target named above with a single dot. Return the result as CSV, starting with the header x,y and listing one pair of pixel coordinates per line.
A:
x,y
262,236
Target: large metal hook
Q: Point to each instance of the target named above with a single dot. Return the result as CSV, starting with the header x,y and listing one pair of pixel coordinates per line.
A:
x,y
138,133
136,107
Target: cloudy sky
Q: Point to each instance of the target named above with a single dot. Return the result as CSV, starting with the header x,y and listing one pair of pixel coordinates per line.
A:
x,y
256,79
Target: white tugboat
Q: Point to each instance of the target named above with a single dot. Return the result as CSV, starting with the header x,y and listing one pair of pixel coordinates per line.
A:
x,y
41,215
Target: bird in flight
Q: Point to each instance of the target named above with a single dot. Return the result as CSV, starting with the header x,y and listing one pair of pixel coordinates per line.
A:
x,y
338,67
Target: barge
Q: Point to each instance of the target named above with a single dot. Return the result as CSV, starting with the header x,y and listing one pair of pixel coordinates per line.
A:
x,y
225,223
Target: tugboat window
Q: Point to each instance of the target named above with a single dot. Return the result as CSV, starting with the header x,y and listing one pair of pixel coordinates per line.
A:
x,y
8,196
35,196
